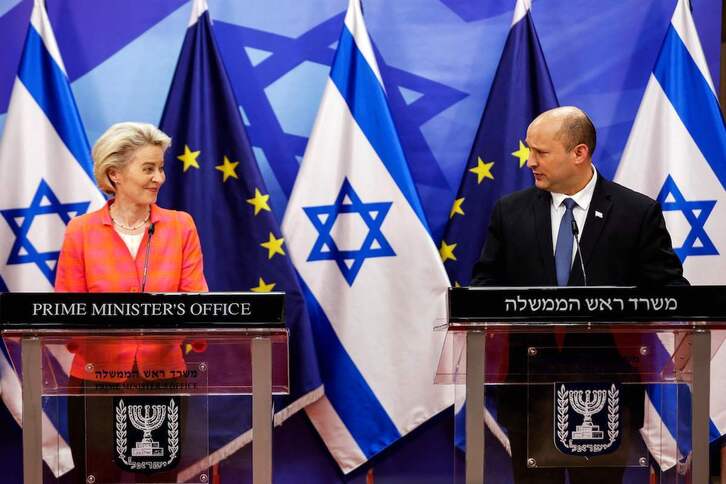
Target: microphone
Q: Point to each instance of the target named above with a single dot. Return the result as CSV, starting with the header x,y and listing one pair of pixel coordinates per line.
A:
x,y
575,233
146,257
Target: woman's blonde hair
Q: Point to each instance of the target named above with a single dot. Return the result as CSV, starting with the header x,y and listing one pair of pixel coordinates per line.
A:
x,y
116,147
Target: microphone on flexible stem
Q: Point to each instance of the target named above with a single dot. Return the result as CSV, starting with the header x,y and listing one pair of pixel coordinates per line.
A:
x,y
575,233
146,258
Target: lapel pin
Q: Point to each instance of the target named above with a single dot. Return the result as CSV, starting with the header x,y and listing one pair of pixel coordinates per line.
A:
x,y
598,214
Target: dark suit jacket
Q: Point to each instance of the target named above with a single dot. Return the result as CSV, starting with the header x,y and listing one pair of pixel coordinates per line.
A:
x,y
628,245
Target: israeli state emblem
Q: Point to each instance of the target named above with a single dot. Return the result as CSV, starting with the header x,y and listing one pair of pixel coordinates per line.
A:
x,y
146,433
587,418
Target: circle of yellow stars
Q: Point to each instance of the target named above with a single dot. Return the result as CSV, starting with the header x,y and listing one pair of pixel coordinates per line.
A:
x,y
259,202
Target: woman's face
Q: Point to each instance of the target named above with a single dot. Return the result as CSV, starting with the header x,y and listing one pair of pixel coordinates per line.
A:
x,y
139,181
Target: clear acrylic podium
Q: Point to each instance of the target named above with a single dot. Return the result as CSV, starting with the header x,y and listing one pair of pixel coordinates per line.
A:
x,y
133,376
610,378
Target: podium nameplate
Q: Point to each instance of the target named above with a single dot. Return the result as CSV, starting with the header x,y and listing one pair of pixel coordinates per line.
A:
x,y
611,304
146,310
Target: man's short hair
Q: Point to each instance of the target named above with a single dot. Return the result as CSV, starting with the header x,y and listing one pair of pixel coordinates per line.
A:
x,y
577,128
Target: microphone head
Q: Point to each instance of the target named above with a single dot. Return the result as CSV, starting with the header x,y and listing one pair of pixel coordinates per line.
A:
x,y
151,229
575,230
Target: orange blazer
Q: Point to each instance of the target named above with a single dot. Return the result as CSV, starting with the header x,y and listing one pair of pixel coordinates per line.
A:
x,y
94,258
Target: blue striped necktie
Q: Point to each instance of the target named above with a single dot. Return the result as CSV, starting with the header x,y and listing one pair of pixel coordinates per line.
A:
x,y
563,251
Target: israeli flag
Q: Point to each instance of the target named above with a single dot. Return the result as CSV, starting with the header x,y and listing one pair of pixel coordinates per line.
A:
x,y
373,279
676,154
46,169
45,164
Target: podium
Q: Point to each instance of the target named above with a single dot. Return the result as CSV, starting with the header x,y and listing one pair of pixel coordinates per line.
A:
x,y
584,360
134,376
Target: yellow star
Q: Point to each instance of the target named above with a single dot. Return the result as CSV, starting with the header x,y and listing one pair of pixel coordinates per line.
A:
x,y
446,251
263,286
227,168
456,208
189,158
482,170
259,201
273,246
522,153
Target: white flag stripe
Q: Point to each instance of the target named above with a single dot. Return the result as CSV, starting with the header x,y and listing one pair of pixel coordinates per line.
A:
x,y
339,441
717,396
56,452
660,442
62,356
198,9
520,10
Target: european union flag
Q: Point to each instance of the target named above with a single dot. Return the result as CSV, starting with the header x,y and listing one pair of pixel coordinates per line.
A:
x,y
212,174
521,90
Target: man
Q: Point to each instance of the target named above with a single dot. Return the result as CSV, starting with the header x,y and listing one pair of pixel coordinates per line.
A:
x,y
624,242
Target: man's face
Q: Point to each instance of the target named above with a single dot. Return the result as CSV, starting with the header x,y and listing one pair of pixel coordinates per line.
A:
x,y
552,165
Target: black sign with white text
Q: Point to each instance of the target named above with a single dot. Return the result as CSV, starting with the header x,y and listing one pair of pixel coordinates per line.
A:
x,y
72,310
482,304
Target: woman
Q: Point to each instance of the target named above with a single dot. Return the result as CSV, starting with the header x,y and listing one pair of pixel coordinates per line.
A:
x,y
129,245
106,251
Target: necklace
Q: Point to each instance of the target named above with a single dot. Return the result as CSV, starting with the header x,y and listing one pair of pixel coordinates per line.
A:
x,y
135,227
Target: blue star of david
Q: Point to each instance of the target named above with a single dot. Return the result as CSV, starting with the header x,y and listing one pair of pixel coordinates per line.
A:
x,y
696,212
318,46
20,220
375,244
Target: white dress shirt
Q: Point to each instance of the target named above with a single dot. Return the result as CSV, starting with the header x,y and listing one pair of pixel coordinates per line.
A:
x,y
579,211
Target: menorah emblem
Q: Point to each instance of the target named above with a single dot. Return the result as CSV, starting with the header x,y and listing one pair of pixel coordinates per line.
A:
x,y
599,406
152,418
593,402
147,415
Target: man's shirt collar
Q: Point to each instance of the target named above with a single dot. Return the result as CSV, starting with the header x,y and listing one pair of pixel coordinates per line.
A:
x,y
582,198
